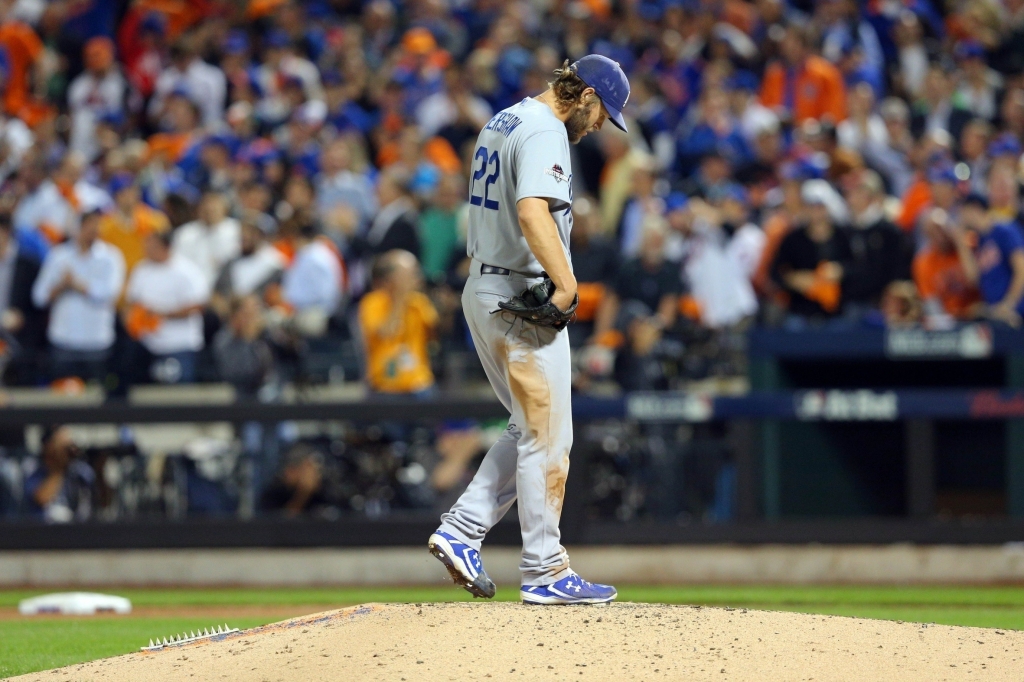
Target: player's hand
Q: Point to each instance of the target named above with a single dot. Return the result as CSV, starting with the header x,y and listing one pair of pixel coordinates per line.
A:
x,y
563,298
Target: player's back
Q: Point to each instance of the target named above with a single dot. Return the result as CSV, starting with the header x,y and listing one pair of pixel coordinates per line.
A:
x,y
523,151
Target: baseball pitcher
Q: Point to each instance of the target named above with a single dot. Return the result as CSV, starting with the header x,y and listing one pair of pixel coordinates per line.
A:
x,y
520,295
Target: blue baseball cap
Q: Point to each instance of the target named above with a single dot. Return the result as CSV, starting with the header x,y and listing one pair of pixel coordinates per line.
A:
x,y
608,81
942,172
675,201
121,181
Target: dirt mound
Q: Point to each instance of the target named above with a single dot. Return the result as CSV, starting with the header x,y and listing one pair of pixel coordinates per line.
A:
x,y
502,641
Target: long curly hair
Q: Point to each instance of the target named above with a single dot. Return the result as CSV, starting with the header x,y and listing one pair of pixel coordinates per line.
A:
x,y
567,86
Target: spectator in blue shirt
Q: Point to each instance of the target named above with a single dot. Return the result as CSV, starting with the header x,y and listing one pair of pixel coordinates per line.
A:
x,y
996,263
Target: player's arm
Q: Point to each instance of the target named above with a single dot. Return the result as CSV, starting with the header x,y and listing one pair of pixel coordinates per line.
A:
x,y
1006,309
542,237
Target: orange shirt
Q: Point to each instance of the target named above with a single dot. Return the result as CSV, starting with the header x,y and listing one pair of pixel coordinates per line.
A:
x,y
398,363
814,91
172,146
917,197
940,275
129,236
23,48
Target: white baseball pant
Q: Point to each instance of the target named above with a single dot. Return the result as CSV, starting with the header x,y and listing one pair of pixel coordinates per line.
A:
x,y
529,368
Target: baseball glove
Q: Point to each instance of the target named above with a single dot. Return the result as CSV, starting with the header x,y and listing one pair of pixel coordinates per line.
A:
x,y
534,305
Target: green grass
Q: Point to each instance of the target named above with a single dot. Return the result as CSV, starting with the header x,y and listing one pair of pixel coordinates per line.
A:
x,y
27,645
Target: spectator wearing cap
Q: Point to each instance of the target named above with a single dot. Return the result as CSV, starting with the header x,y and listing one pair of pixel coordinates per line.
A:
x,y
995,264
802,85
58,487
939,273
79,283
131,221
1004,153
311,287
211,240
344,114
298,138
21,320
187,73
257,266
283,69
164,299
344,196
850,42
809,263
97,91
398,321
420,63
979,84
879,252
715,130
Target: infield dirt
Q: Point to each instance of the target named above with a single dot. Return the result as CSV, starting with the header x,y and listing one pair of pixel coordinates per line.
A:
x,y
506,641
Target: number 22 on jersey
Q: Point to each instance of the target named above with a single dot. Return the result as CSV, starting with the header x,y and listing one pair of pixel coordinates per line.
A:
x,y
485,163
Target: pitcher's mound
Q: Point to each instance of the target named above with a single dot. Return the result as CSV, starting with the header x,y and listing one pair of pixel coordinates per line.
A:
x,y
502,641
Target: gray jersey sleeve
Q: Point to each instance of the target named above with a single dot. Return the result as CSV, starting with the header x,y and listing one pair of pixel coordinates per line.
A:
x,y
543,167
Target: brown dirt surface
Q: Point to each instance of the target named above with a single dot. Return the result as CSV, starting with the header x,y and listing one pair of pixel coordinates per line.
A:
x,y
508,641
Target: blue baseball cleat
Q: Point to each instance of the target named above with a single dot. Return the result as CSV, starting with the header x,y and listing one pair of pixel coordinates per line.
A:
x,y
571,589
463,564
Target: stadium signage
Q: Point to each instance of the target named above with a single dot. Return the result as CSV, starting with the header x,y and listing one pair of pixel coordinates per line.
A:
x,y
995,405
971,341
655,407
846,405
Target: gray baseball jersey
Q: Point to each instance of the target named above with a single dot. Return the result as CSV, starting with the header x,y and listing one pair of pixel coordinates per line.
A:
x,y
522,152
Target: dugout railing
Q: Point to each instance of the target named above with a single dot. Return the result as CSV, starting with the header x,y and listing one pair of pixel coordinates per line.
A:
x,y
754,423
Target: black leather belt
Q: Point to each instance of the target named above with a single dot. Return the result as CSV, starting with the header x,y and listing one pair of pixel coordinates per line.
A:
x,y
504,272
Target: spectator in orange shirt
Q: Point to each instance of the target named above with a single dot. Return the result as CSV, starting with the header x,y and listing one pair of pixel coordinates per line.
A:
x,y
801,85
939,274
22,50
182,115
397,322
127,226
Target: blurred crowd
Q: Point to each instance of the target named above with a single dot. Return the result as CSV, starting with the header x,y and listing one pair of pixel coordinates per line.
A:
x,y
228,190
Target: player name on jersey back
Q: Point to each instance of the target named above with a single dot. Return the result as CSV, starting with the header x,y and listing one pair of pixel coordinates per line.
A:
x,y
523,151
504,122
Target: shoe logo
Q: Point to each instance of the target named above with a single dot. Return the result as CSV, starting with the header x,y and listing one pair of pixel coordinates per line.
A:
x,y
572,586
